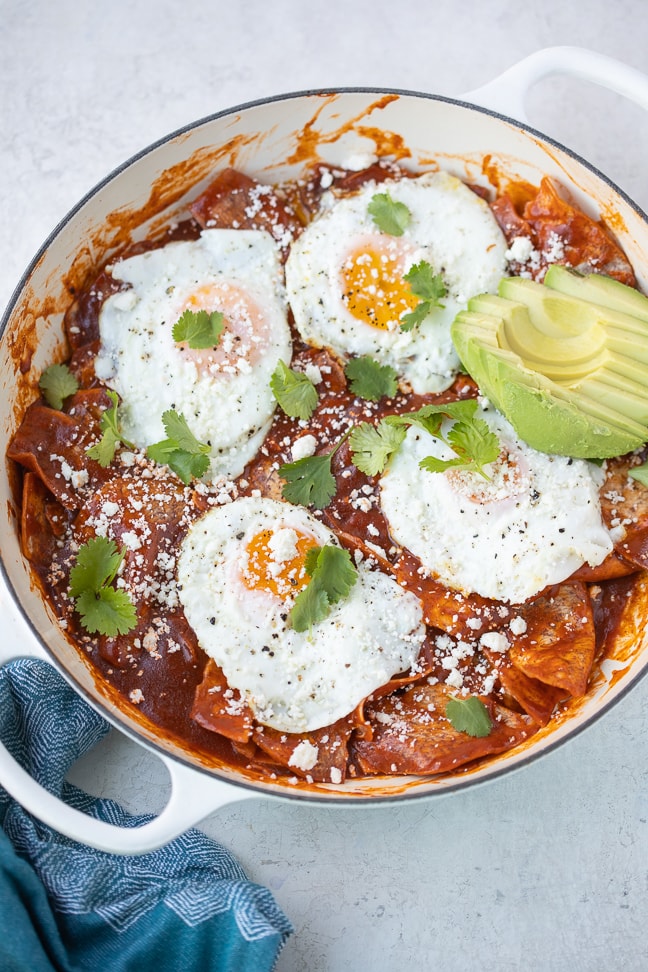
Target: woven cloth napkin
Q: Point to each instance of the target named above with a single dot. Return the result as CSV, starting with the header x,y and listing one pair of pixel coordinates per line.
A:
x,y
68,907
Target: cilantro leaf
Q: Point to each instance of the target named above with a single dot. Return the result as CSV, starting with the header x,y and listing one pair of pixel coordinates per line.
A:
x,y
332,576
187,466
469,715
96,564
199,329
57,383
175,426
311,605
473,444
104,450
107,611
389,215
369,379
102,608
430,417
295,392
416,317
309,481
372,446
429,287
640,473
425,283
180,451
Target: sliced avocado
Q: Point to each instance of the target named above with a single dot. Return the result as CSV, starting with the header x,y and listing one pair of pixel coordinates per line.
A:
x,y
571,376
544,414
595,287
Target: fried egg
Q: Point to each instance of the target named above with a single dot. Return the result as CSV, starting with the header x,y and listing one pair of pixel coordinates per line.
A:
x,y
222,392
344,277
240,569
532,523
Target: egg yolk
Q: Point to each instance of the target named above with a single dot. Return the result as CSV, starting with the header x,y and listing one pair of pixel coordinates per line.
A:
x,y
274,561
373,285
245,335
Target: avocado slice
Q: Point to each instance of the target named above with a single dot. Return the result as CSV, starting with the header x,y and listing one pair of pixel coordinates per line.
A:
x,y
595,287
570,375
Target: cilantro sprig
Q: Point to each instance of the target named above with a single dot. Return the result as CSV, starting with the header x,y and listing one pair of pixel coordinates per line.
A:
x,y
200,329
429,287
295,393
469,715
104,450
369,379
470,438
309,481
332,575
181,450
388,214
57,383
474,444
102,607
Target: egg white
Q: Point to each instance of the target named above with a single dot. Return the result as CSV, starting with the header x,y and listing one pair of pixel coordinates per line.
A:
x,y
293,681
532,524
451,228
226,399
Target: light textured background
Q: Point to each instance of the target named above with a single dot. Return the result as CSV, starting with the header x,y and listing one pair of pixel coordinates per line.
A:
x,y
546,870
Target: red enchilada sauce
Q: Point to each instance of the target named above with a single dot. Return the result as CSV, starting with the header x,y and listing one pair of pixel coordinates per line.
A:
x,y
159,671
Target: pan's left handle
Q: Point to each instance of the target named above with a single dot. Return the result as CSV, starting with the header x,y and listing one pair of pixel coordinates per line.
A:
x,y
194,794
507,93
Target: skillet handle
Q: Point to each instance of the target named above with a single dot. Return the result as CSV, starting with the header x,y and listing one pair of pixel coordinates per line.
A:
x,y
507,93
194,795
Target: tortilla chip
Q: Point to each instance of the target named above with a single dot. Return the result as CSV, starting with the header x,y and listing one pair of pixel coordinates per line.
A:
x,y
321,755
559,643
413,735
221,709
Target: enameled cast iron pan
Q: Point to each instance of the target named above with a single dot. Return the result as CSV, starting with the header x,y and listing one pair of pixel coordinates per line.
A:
x,y
272,140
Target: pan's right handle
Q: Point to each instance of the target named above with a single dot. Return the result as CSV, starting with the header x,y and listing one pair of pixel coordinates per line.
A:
x,y
507,93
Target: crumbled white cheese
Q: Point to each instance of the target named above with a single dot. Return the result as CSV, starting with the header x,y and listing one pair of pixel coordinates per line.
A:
x,y
304,756
283,545
303,447
494,640
518,626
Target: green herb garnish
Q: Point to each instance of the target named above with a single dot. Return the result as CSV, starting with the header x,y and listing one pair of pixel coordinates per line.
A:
x,y
372,446
102,607
332,575
369,379
471,440
309,481
295,392
57,383
389,215
469,715
104,450
429,287
474,445
181,450
199,329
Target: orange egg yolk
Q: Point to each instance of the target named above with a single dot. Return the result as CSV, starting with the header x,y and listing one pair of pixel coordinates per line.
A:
x,y
275,571
373,285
